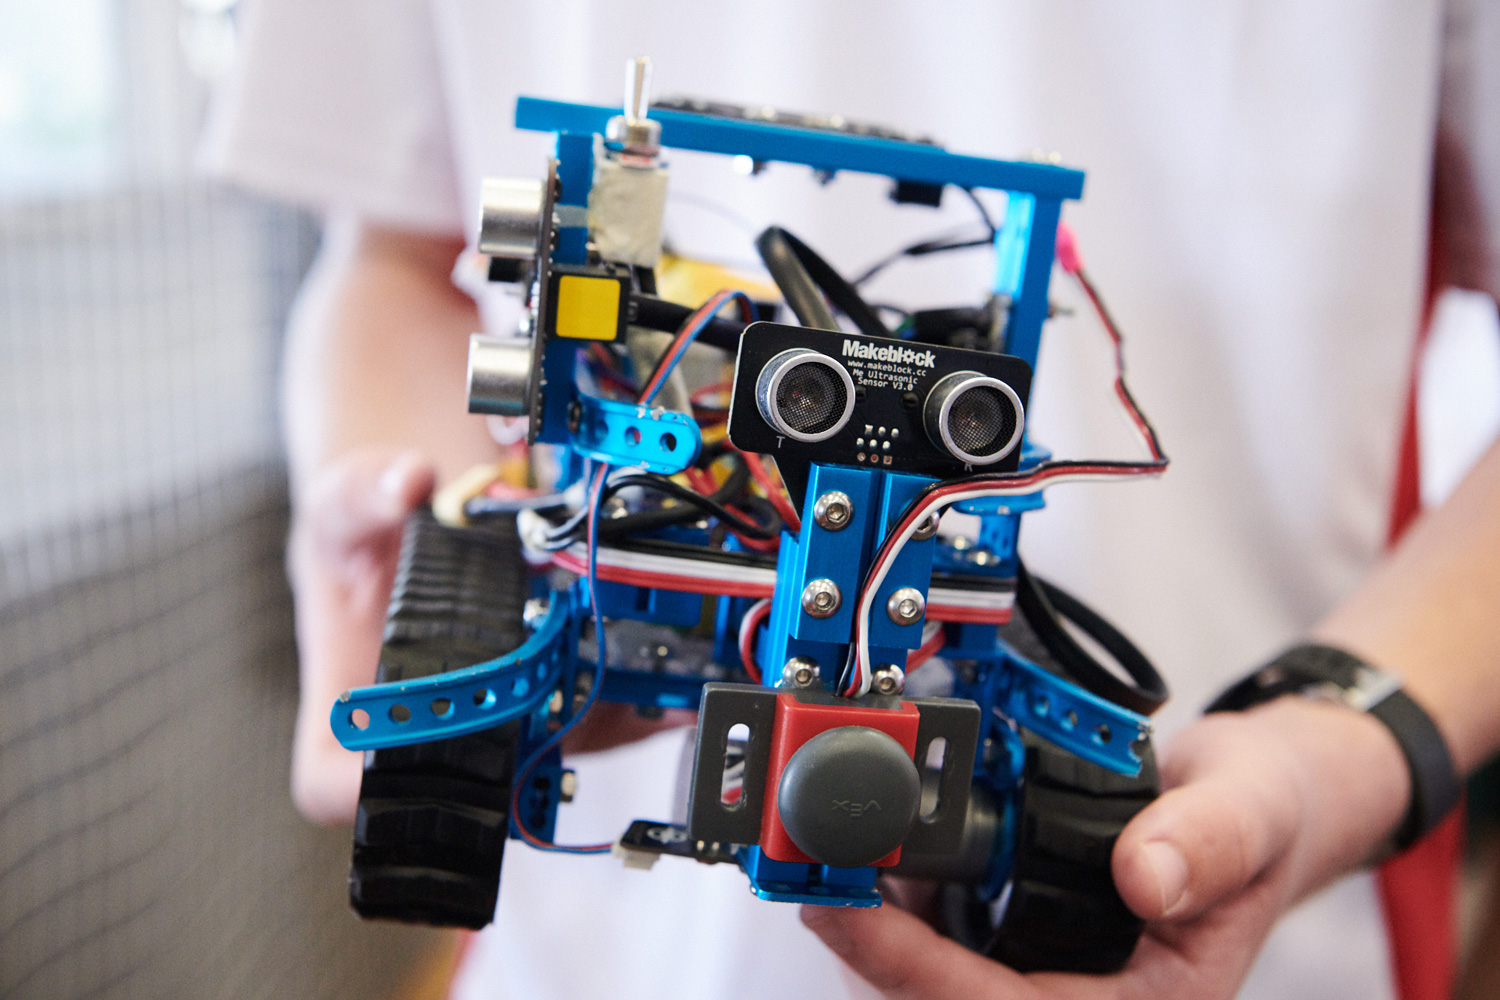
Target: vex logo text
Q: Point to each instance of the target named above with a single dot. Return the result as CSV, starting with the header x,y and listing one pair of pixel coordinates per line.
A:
x,y
894,353
855,809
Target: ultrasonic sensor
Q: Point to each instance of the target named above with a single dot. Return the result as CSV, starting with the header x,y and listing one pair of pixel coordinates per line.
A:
x,y
805,395
975,418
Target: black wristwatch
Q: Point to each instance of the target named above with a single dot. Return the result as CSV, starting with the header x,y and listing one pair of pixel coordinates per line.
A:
x,y
1327,672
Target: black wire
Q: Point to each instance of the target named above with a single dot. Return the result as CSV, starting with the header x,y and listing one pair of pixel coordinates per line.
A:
x,y
904,314
662,484
659,314
922,249
801,292
643,521
936,244
984,213
804,278
694,507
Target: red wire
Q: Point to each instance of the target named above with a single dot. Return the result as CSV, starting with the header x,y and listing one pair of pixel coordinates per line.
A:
x,y
968,616
700,480
664,581
1132,409
756,544
1071,262
926,651
775,492
703,482
933,500
751,622
713,587
688,331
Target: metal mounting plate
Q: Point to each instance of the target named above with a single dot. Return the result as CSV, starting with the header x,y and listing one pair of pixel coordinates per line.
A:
x,y
459,701
1084,724
657,440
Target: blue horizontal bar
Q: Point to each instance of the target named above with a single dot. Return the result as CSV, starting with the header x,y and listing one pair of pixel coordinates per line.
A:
x,y
771,142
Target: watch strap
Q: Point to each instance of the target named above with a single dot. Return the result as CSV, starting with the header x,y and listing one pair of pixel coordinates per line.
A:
x,y
1326,671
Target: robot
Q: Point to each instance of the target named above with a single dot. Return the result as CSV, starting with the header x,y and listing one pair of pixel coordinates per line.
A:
x,y
874,696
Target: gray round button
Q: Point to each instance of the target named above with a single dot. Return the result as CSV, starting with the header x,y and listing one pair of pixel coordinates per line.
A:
x,y
848,797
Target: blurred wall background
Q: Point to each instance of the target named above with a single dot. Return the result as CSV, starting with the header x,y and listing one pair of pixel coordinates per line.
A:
x,y
148,847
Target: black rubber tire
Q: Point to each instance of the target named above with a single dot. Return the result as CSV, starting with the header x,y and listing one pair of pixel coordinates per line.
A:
x,y
1063,913
433,818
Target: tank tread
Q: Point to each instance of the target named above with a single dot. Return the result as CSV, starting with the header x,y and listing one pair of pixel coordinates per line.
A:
x,y
433,818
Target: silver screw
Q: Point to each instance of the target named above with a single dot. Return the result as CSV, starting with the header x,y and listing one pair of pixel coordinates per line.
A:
x,y
888,679
567,786
833,511
534,611
926,529
799,672
906,606
821,598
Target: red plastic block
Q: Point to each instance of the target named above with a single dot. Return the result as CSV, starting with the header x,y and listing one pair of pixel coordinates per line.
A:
x,y
796,723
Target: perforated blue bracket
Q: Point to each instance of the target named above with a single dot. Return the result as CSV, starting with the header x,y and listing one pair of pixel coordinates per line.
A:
x,y
1084,724
460,701
655,439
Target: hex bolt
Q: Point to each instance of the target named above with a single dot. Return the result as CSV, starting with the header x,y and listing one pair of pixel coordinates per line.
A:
x,y
821,598
888,679
926,529
799,672
906,606
833,511
567,786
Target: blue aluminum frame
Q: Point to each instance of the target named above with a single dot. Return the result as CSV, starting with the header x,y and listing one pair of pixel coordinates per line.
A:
x,y
1019,693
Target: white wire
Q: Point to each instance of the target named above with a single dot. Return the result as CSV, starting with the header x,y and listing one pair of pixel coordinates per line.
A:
x,y
878,574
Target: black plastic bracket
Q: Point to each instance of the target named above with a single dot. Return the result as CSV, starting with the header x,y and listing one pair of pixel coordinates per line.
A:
x,y
955,720
723,707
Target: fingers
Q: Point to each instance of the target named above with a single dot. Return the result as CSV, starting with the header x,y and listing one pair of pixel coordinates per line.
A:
x,y
902,957
325,777
1231,820
362,497
345,541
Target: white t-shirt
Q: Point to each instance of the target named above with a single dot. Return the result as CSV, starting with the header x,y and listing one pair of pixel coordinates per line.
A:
x,y
1255,212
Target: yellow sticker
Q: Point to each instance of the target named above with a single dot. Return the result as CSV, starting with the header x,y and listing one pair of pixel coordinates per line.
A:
x,y
587,308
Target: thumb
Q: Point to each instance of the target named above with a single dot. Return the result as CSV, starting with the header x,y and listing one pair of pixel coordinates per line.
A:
x,y
365,496
1228,823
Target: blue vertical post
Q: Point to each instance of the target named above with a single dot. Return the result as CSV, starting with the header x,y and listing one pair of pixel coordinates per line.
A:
x,y
575,169
1028,310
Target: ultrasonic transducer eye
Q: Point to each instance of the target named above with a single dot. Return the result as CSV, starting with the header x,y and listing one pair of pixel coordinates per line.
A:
x,y
805,395
975,418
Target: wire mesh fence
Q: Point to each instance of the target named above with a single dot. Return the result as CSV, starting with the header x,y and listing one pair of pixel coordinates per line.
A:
x,y
148,846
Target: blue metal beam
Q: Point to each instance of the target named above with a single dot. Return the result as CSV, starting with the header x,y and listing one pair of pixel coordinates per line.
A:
x,y
769,142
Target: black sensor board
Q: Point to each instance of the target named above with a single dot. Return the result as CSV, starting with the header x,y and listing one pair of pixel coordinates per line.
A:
x,y
893,380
